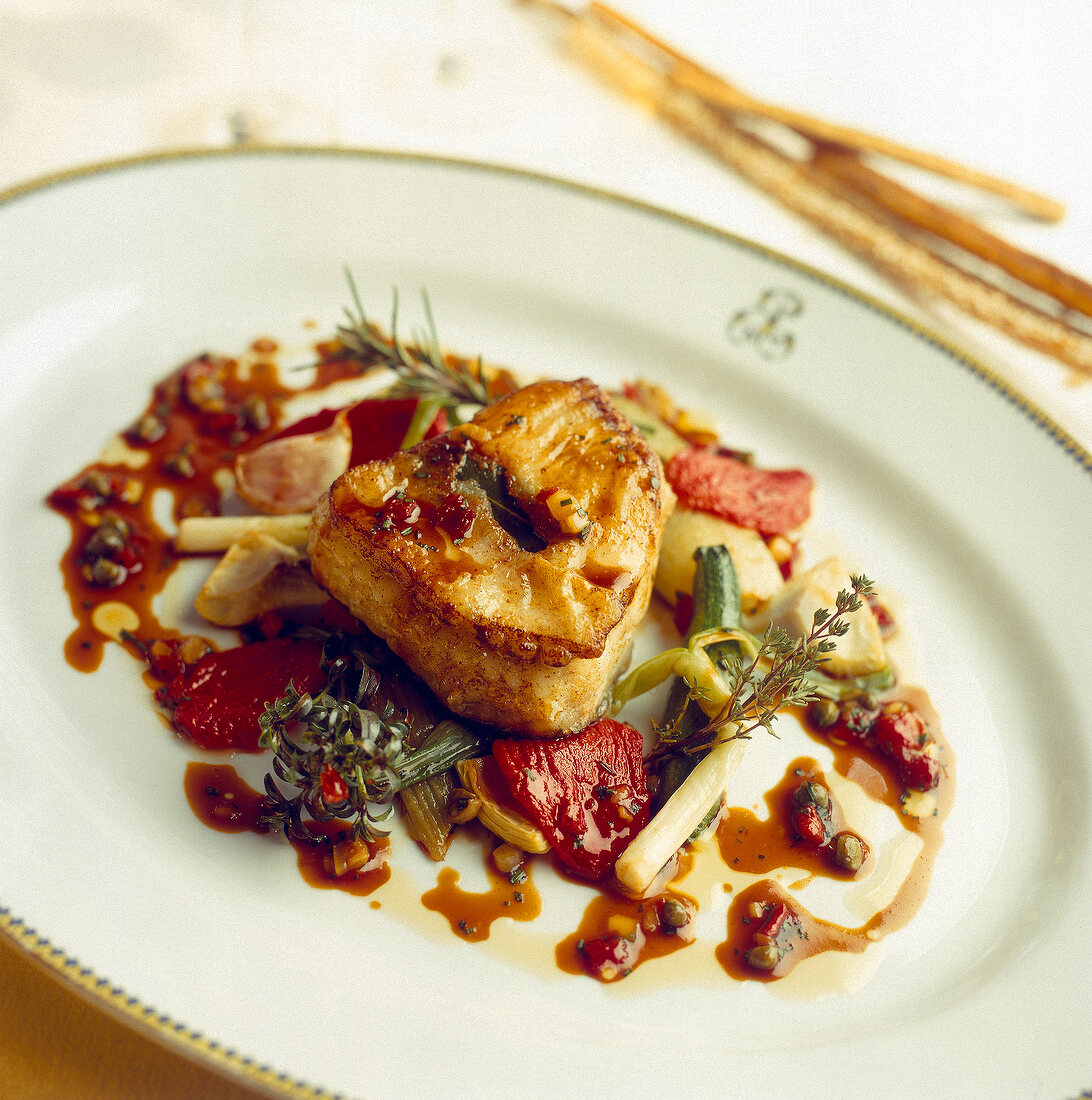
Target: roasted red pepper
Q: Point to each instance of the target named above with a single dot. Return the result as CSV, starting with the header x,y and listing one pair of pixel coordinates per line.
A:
x,y
217,702
377,426
587,792
772,502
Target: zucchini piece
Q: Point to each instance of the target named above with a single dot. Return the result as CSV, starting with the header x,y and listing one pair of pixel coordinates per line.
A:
x,y
716,607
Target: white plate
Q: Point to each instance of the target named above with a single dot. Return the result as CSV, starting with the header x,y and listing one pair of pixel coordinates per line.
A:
x,y
947,486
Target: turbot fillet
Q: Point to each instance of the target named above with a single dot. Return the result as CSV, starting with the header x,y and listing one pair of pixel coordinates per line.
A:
x,y
509,561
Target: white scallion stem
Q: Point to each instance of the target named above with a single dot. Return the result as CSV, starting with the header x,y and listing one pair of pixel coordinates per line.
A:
x,y
210,534
669,830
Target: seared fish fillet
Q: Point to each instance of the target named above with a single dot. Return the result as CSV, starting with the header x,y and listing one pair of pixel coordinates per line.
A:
x,y
509,561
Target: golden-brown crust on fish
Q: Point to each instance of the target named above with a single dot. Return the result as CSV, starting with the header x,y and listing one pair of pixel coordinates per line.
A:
x,y
508,562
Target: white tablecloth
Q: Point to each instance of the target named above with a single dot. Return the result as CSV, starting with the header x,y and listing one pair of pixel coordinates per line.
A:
x,y
999,84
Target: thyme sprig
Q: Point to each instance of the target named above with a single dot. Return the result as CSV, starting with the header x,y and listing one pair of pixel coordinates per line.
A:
x,y
343,759
423,370
781,673
361,747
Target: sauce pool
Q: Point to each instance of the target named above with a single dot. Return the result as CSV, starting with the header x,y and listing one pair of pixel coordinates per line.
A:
x,y
221,799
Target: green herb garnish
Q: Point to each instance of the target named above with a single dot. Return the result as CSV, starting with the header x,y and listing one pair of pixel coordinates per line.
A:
x,y
741,687
344,760
422,369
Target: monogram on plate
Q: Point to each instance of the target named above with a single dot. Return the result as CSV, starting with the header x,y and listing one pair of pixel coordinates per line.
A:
x,y
762,324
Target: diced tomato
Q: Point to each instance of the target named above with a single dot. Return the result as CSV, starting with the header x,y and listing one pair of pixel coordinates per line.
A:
x,y
684,612
587,793
164,660
217,702
920,771
612,957
772,502
455,516
334,789
884,619
901,733
855,721
898,729
808,825
377,426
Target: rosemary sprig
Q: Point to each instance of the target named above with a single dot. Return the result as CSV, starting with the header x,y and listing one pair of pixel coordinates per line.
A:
x,y
344,760
422,369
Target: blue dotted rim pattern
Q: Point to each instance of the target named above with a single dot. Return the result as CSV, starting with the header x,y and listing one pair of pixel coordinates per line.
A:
x,y
110,996
201,1046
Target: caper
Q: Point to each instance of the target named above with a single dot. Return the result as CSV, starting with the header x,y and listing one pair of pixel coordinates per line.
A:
x,y
180,465
105,541
816,794
869,701
97,482
811,792
849,852
673,914
763,957
256,412
107,573
116,522
149,428
823,712
855,718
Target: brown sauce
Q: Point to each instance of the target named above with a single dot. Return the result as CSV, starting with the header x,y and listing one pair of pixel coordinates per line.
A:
x,y
224,801
801,937
472,914
877,776
749,845
188,434
759,846
627,934
314,862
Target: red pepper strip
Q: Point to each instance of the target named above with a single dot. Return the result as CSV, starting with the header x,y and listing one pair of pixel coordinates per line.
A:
x,y
772,502
771,927
587,792
217,702
612,957
377,426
